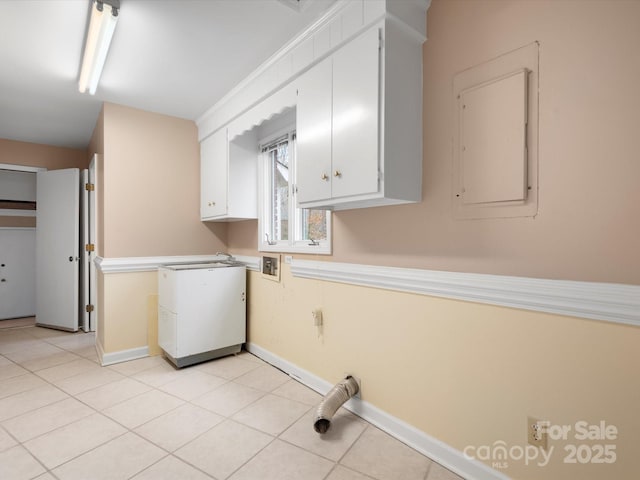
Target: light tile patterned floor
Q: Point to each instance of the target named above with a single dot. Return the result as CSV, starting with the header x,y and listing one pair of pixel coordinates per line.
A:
x,y
63,416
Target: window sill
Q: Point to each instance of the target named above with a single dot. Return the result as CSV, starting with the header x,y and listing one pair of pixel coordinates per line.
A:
x,y
322,249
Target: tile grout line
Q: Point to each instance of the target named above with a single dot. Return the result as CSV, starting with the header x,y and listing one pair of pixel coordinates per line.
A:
x,y
22,444
229,418
184,402
273,439
127,428
224,418
88,451
169,453
152,387
278,436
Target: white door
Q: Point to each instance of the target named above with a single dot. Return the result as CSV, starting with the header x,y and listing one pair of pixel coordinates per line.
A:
x,y
88,280
85,283
57,248
93,281
17,272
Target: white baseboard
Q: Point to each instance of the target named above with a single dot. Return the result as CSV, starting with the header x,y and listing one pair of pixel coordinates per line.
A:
x,y
433,448
120,356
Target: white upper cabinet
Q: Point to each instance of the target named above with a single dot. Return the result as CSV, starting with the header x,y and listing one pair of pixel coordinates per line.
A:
x,y
313,126
214,168
356,93
229,162
337,124
359,123
228,183
355,79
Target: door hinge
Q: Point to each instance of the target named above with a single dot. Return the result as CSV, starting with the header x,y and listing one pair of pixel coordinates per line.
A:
x,y
88,308
90,247
89,187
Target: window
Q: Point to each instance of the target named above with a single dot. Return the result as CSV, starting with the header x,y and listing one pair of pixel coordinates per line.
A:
x,y
282,227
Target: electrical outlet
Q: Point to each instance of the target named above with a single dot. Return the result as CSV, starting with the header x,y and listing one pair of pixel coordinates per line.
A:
x,y
317,317
537,432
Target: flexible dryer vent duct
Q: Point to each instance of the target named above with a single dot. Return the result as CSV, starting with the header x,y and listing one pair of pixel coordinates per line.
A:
x,y
338,395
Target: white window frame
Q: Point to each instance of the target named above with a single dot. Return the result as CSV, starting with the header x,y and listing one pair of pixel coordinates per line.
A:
x,y
292,245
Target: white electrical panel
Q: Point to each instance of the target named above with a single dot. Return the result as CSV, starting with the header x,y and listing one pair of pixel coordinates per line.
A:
x,y
495,155
494,140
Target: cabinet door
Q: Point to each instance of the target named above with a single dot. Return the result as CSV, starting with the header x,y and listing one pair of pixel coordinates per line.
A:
x,y
214,172
313,130
356,99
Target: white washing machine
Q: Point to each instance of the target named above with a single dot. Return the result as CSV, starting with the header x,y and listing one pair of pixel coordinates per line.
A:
x,y
201,310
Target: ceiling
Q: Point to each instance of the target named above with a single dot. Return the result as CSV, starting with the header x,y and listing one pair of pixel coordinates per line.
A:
x,y
176,57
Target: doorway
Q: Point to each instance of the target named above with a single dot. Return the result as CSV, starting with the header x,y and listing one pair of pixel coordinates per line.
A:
x,y
59,284
17,241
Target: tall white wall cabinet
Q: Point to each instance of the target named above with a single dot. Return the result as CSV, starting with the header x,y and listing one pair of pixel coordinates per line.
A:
x,y
338,139
357,78
214,170
228,178
359,123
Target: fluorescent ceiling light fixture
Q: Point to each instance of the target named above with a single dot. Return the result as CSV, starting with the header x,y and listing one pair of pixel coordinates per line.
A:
x,y
104,16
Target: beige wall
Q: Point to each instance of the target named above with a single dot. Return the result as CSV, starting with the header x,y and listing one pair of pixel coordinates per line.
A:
x,y
148,205
37,155
125,308
129,303
589,204
151,179
470,374
465,373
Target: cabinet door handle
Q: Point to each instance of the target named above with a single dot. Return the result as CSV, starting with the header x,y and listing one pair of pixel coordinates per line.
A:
x,y
212,204
324,177
337,173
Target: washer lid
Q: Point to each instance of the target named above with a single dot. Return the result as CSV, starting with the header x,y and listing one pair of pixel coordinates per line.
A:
x,y
197,266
